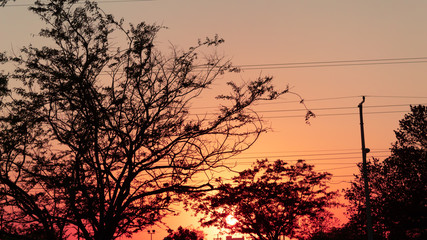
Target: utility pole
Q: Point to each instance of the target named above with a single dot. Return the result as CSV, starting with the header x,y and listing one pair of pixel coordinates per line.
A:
x,y
365,150
151,233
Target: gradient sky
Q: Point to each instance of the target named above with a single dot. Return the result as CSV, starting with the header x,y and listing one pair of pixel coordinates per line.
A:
x,y
281,32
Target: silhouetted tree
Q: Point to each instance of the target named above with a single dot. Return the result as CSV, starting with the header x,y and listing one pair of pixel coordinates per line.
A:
x,y
3,78
3,2
350,231
185,234
97,140
347,232
269,200
398,184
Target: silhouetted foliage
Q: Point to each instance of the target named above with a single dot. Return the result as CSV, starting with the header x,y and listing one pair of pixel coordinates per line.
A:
x,y
346,232
98,138
349,231
185,234
398,184
3,2
3,79
270,200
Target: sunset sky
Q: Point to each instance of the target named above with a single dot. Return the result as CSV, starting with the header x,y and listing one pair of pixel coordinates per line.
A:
x,y
329,52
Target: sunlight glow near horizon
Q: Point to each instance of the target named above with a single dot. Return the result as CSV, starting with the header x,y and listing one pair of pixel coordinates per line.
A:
x,y
231,220
281,31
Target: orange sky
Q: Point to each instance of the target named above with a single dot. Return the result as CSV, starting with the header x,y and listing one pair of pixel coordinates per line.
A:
x,y
280,32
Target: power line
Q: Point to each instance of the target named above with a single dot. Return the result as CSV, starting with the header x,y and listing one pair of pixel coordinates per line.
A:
x,y
102,1
337,98
314,154
333,98
295,160
318,109
335,65
332,63
334,114
318,150
328,114
340,182
338,168
120,1
380,96
344,63
338,61
305,159
342,175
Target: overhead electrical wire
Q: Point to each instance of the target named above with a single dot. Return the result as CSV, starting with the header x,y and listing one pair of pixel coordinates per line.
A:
x,y
337,168
314,154
380,96
296,101
332,152
340,182
327,114
316,150
284,66
337,108
329,155
241,159
320,64
342,175
318,109
334,98
332,110
305,159
101,1
338,61
334,114
333,63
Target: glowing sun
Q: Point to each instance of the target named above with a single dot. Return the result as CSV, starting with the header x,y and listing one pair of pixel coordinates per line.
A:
x,y
231,220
